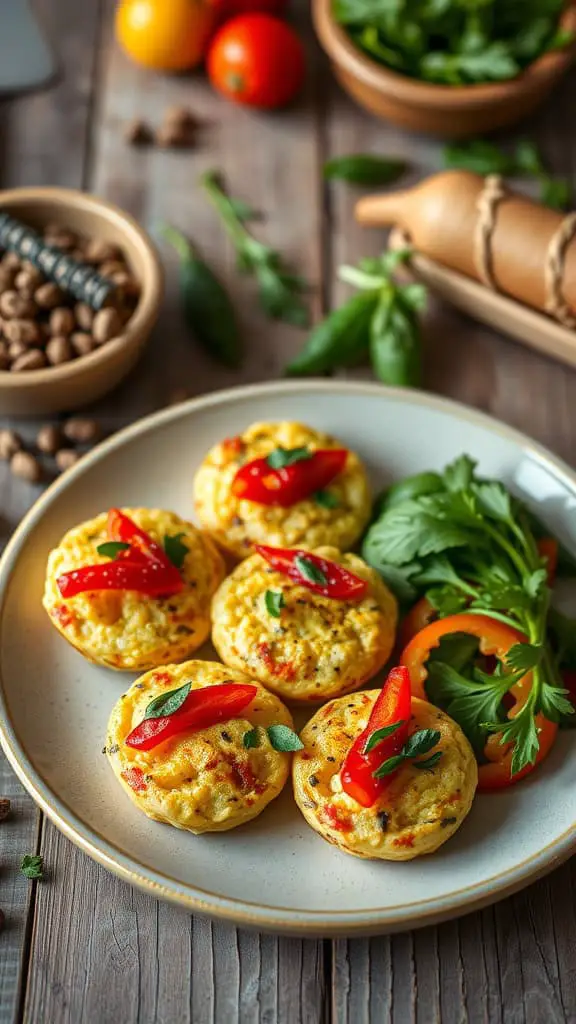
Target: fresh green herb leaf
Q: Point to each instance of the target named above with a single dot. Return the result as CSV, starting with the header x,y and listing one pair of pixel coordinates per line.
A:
x,y
327,499
341,339
446,601
206,306
279,290
459,474
283,738
282,457
309,570
274,601
479,156
555,192
251,739
176,549
493,501
429,763
527,158
380,734
243,210
523,657
167,703
364,169
31,866
389,766
421,742
112,548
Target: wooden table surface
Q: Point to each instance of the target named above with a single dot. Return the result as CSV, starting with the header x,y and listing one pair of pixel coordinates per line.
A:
x,y
83,946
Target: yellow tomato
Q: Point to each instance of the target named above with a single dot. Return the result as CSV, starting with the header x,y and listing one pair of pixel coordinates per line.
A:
x,y
168,35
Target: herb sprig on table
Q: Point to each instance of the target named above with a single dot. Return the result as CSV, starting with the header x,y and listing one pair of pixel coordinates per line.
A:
x,y
454,42
279,290
525,161
380,322
468,545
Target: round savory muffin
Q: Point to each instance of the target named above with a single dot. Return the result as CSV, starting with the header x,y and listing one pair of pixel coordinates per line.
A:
x,y
206,780
297,642
418,810
337,516
126,629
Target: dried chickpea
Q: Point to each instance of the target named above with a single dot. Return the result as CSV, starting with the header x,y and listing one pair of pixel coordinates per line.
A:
x,y
25,332
32,359
84,315
99,251
15,306
66,458
81,431
82,343
10,443
48,296
28,279
49,439
24,465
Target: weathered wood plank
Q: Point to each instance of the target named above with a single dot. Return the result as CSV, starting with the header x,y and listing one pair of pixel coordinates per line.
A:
x,y
106,952
18,835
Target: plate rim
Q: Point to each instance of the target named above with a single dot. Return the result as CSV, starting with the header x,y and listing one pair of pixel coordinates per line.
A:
x,y
242,912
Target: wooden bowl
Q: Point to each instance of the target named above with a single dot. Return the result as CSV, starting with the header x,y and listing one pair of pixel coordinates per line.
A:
x,y
84,379
449,111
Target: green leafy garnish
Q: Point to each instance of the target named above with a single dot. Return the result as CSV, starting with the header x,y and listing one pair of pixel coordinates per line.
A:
x,y
251,739
175,549
327,499
417,744
364,169
309,571
167,703
279,290
283,738
380,323
31,866
274,601
467,544
112,548
282,457
380,734
525,160
454,42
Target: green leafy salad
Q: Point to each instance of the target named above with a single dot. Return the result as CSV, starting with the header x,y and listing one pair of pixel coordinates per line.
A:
x,y
480,559
454,42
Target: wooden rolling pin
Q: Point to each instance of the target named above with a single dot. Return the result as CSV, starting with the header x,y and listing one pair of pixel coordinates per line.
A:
x,y
477,227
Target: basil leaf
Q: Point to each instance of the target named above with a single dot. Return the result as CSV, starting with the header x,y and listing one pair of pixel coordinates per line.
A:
x,y
326,499
31,866
112,548
364,169
340,340
309,571
395,347
420,742
389,766
167,703
380,734
175,549
282,457
283,738
429,763
251,739
274,600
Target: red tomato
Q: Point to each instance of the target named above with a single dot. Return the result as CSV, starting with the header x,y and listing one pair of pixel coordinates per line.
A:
x,y
258,60
225,9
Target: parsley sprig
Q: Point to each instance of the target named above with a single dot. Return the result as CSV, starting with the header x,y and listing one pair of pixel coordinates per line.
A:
x,y
468,544
279,290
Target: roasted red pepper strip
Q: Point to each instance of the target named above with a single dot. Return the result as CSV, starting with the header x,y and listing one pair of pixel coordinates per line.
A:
x,y
124,529
393,705
144,577
548,550
258,482
340,584
204,707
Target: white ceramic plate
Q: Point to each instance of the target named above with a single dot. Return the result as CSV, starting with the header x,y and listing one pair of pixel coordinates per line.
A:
x,y
275,873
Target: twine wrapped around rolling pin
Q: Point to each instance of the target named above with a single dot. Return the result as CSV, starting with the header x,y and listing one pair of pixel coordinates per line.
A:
x,y
479,228
80,279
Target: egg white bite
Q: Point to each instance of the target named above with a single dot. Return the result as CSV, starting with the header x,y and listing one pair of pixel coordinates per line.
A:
x,y
125,629
315,647
238,524
205,780
417,812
